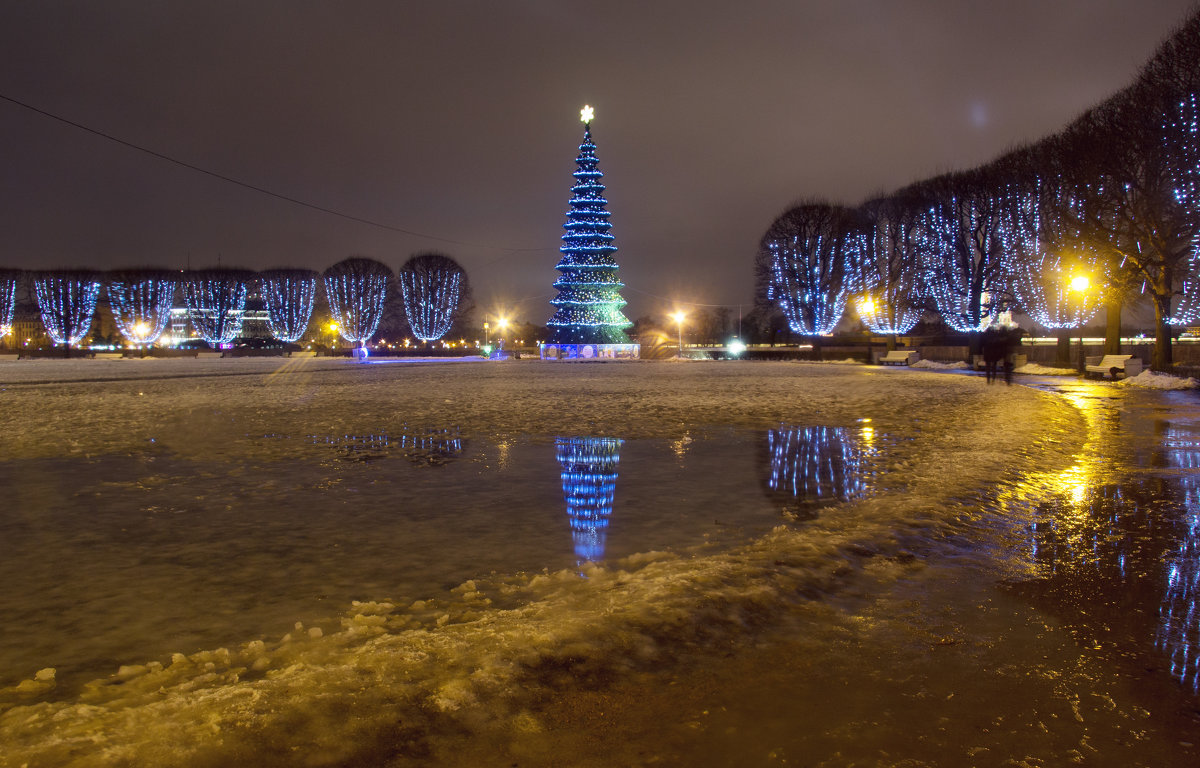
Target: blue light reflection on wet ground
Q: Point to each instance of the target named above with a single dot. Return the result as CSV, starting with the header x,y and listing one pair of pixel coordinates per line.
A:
x,y
1115,539
158,554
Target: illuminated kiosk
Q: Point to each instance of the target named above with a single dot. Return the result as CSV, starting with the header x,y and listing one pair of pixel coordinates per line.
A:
x,y
587,323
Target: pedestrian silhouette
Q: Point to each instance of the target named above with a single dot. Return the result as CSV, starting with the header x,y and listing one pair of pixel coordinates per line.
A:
x,y
994,348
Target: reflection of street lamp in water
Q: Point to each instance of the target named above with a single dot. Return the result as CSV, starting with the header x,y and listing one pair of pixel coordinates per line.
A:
x,y
1079,284
679,317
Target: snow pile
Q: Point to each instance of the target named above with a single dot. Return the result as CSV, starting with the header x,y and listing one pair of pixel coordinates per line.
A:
x,y
1033,369
847,361
933,365
1151,380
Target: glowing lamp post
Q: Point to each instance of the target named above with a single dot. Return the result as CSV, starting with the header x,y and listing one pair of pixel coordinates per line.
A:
x,y
1079,284
679,317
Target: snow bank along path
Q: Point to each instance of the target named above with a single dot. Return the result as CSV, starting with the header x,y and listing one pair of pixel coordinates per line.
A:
x,y
487,650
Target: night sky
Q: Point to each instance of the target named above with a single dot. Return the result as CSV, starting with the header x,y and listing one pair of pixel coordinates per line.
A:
x,y
459,123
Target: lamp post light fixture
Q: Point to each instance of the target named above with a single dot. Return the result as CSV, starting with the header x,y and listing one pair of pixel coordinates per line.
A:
x,y
679,317
1079,284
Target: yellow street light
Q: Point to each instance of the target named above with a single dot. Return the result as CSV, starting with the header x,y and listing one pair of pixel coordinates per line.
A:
x,y
679,317
1080,283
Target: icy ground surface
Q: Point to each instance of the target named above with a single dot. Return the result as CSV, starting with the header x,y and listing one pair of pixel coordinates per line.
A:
x,y
322,563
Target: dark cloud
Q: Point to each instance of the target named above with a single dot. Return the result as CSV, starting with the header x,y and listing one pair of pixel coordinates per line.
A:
x,y
459,120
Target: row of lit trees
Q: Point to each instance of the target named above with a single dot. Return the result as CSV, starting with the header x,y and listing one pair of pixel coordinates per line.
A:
x,y
433,288
1111,202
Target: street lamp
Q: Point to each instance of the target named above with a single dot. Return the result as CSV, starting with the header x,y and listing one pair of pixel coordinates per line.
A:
x,y
679,317
1079,284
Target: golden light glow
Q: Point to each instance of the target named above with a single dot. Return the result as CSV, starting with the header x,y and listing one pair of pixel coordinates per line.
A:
x,y
866,305
502,322
679,317
586,114
1080,283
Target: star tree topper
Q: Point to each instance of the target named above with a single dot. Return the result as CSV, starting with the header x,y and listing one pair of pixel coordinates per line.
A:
x,y
586,114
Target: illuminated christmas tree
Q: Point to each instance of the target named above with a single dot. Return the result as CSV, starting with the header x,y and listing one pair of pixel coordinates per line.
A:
x,y
588,305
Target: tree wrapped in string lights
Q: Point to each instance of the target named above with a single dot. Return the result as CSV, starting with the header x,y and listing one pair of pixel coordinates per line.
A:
x,y
1050,272
433,287
884,264
67,301
589,482
959,248
216,302
141,301
1181,135
588,304
804,258
289,295
357,289
8,299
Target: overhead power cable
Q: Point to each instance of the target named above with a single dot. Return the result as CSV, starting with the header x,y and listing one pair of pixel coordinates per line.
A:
x,y
254,187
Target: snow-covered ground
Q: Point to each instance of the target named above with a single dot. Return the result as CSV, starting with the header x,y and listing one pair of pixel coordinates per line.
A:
x,y
256,491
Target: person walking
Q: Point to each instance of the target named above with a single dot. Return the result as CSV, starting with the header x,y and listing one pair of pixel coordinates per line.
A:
x,y
993,352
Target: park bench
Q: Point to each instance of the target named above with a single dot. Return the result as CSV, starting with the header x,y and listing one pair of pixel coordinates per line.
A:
x,y
900,357
1126,365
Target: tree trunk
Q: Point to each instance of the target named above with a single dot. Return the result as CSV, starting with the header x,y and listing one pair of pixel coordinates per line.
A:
x,y
1162,359
1112,327
1062,355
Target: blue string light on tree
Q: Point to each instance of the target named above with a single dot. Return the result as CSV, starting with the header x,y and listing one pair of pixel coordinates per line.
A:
x,y
8,299
1183,151
809,278
67,302
960,253
432,287
357,289
289,295
589,482
141,302
216,302
1050,282
884,265
588,304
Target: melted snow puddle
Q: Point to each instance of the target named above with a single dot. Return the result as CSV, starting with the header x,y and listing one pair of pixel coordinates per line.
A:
x,y
123,562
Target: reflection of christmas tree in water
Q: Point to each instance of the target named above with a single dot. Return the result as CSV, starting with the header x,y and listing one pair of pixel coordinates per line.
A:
x,y
432,446
814,465
589,481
